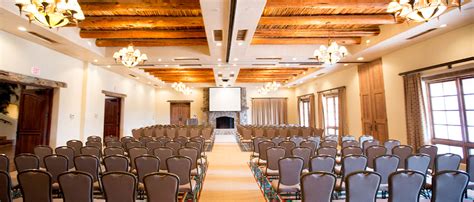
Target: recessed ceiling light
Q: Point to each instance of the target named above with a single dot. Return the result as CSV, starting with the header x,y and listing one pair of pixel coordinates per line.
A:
x,y
23,29
232,72
218,44
367,41
236,59
304,73
240,43
301,82
315,76
166,65
96,60
360,58
219,65
346,64
108,66
219,59
443,25
159,59
219,72
234,65
293,58
89,43
287,65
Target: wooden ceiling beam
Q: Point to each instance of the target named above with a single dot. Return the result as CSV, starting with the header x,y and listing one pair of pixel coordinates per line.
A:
x,y
378,19
139,22
316,32
152,42
143,6
136,34
289,41
244,69
327,3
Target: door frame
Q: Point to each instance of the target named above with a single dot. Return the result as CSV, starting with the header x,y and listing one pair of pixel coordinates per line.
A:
x,y
179,102
121,97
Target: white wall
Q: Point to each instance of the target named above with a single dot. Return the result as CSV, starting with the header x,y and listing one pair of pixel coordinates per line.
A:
x,y
348,78
163,106
252,92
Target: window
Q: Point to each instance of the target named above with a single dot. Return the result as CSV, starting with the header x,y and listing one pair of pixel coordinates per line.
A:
x,y
451,113
331,114
304,112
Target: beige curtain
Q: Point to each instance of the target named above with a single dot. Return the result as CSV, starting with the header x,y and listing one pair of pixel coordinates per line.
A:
x,y
414,110
341,94
269,111
310,98
320,111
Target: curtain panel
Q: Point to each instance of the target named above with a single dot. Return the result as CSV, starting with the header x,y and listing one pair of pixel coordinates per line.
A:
x,y
414,110
269,111
340,92
310,98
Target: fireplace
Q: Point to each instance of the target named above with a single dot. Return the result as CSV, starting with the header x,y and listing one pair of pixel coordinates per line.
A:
x,y
224,122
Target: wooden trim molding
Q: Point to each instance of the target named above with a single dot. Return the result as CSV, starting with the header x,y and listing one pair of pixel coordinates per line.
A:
x,y
29,80
180,101
113,94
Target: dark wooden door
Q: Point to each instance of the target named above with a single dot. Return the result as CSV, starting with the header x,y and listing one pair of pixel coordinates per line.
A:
x,y
180,112
34,119
372,95
112,113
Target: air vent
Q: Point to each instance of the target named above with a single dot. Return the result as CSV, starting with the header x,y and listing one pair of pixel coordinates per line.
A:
x,y
421,34
219,75
241,34
43,38
186,59
190,65
300,63
231,75
263,64
218,35
225,80
274,58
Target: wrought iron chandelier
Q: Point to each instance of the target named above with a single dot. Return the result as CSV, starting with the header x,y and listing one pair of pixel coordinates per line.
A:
x,y
51,13
420,10
130,57
182,88
269,87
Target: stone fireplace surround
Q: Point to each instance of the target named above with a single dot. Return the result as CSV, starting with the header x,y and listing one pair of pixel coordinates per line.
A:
x,y
238,116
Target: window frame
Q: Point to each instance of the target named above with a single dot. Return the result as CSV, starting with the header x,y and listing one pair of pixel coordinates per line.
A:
x,y
336,112
305,114
457,78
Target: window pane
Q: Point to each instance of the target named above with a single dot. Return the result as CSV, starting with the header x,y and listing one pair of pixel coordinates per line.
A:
x,y
443,149
449,88
455,133
471,151
470,118
436,89
470,132
439,117
451,103
437,103
441,131
467,85
453,118
469,101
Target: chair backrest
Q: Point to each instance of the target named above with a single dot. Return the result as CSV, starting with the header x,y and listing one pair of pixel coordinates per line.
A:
x,y
297,140
180,166
126,139
386,165
447,162
146,164
274,154
294,132
94,138
349,143
351,150
5,186
191,153
364,138
331,137
91,150
67,152
362,186
76,186
369,143
26,161
430,150
322,163
283,132
89,164
470,167
290,169
113,144
418,162
263,146
206,133
41,151
108,151
353,163
449,185
255,143
161,187
76,145
194,132
35,185
132,144
4,163
373,152
55,165
389,144
94,144
258,132
330,151
171,132
304,153
116,162
403,152
110,138
181,139
270,132
119,186
288,145
405,185
174,145
317,186
348,138
163,153
134,153
152,145
328,143
310,144
163,139
277,140
145,139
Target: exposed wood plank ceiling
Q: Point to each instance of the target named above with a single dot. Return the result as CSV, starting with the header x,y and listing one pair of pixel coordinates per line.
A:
x,y
143,22
314,21
188,75
278,74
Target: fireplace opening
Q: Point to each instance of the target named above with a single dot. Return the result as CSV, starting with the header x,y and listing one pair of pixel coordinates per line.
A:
x,y
224,122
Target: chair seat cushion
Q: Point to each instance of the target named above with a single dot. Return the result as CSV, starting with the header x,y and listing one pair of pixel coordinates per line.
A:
x,y
270,172
187,187
285,188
